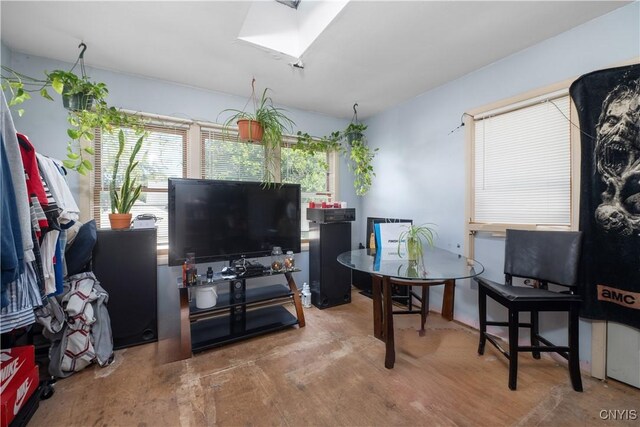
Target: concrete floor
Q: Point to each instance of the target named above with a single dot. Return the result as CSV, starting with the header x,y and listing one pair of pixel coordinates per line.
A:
x,y
332,373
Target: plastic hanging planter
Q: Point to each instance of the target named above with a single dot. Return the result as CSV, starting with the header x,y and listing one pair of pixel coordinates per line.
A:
x,y
77,101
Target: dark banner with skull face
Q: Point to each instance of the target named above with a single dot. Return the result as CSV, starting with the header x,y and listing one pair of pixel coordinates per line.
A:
x,y
608,105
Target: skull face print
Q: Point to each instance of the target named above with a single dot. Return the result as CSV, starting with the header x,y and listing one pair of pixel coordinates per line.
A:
x,y
617,157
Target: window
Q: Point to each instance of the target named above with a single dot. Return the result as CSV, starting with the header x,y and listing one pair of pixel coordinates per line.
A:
x,y
162,156
316,176
215,154
224,157
521,164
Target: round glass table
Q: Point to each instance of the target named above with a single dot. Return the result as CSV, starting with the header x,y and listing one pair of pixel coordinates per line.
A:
x,y
387,268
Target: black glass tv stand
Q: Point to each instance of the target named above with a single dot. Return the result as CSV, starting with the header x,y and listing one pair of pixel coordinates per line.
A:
x,y
242,310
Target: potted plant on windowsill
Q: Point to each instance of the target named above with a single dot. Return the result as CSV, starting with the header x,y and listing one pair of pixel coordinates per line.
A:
x,y
266,124
124,195
413,237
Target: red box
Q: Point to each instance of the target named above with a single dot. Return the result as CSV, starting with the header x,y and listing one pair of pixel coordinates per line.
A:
x,y
15,363
15,396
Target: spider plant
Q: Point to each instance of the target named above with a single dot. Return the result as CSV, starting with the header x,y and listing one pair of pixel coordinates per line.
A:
x,y
274,123
413,238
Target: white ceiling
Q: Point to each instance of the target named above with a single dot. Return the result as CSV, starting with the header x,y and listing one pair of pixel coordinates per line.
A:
x,y
375,53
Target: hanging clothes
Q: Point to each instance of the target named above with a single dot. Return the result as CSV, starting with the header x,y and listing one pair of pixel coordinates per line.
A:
x,y
58,186
35,189
16,169
20,286
12,255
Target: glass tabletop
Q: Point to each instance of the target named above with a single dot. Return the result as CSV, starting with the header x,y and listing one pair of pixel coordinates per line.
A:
x,y
436,264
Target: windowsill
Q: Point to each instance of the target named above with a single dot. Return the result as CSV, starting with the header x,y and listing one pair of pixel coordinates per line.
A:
x,y
163,256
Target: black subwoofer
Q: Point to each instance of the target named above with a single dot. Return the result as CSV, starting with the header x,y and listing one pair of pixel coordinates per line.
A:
x,y
330,280
125,263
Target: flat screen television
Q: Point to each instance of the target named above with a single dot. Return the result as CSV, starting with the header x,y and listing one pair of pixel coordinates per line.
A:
x,y
227,220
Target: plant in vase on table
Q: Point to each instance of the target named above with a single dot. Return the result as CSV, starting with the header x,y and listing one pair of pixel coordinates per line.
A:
x,y
124,191
413,238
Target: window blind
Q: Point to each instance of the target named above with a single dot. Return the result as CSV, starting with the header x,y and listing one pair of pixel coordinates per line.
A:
x,y
162,156
522,165
224,157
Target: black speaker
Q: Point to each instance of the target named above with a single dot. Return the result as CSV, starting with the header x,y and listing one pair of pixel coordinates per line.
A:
x,y
330,280
125,263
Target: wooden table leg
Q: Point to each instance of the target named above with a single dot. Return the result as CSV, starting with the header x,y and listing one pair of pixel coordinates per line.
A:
x,y
390,356
377,307
448,299
296,299
424,309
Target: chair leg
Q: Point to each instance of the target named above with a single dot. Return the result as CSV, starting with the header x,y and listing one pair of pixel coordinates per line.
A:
x,y
535,331
574,348
424,309
482,314
513,348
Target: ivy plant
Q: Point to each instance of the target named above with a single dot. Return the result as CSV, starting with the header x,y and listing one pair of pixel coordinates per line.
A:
x,y
83,122
351,143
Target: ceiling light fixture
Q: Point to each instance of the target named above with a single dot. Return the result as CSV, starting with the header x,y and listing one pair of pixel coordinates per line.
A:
x,y
291,3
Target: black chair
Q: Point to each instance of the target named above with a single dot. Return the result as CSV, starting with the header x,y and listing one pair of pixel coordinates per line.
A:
x,y
547,257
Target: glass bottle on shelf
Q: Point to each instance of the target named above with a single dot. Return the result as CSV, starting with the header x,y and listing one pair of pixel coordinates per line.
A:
x,y
289,261
277,261
306,296
192,272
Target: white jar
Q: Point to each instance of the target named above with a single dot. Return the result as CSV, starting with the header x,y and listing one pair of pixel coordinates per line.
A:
x,y
206,296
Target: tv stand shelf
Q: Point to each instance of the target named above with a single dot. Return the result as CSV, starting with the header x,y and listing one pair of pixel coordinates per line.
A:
x,y
242,311
216,331
256,295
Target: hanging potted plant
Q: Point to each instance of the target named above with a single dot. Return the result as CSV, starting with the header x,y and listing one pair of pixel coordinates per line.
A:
x,y
78,92
413,237
84,100
123,196
266,124
350,142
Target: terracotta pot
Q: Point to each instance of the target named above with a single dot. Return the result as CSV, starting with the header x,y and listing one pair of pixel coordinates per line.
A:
x,y
120,221
250,130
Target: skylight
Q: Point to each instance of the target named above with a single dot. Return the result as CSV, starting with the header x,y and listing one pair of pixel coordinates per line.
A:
x,y
291,3
286,30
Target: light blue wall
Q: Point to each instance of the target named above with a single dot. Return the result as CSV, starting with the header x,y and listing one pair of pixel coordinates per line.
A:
x,y
421,164
5,55
45,123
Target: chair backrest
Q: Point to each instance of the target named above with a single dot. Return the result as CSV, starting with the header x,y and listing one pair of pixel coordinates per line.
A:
x,y
549,256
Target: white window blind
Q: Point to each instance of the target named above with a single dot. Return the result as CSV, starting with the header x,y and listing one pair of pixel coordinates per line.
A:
x,y
162,156
522,165
224,157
